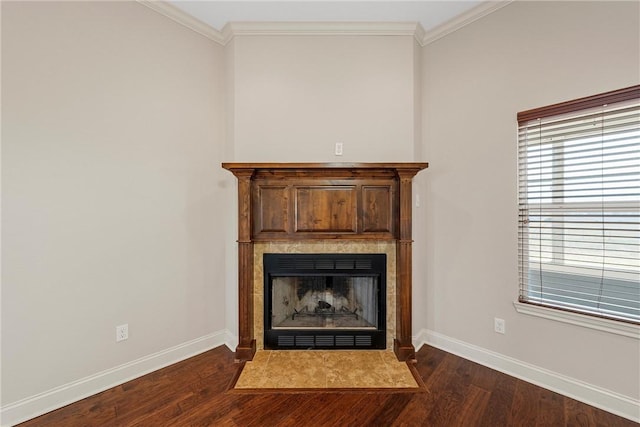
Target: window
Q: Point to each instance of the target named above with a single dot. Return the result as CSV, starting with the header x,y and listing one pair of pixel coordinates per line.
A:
x,y
579,205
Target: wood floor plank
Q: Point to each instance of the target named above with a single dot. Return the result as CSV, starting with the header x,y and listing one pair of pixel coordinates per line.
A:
x,y
268,410
498,410
318,405
416,412
525,406
473,406
356,410
577,414
551,409
485,378
453,377
196,392
388,412
218,409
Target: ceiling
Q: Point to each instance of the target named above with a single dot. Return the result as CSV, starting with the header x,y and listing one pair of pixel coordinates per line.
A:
x,y
430,14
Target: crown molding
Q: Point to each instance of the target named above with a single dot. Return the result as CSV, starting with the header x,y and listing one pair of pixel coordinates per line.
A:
x,y
483,9
420,34
235,29
183,18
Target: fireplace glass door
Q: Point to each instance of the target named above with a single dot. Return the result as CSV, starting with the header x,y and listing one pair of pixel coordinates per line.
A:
x,y
325,300
309,302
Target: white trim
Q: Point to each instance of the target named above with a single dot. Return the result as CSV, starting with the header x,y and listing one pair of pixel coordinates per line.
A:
x,y
65,394
233,29
231,340
183,18
421,339
606,325
599,397
483,9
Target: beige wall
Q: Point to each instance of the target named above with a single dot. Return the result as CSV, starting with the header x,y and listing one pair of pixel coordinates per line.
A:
x,y
526,55
295,97
112,136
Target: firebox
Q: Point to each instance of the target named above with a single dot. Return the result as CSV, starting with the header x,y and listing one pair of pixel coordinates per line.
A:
x,y
325,301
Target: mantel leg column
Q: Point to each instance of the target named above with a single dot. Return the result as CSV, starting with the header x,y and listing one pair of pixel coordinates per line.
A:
x,y
402,344
246,342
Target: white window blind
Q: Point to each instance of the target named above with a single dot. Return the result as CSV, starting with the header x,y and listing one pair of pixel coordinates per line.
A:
x,y
579,205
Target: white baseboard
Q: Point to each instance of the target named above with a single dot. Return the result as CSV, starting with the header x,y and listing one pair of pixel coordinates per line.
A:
x,y
58,397
607,400
231,340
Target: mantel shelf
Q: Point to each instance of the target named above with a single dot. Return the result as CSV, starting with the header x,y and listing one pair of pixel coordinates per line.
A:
x,y
335,165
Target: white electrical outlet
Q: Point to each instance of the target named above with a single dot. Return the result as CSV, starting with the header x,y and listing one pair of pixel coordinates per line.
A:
x,y
338,149
499,325
122,332
417,200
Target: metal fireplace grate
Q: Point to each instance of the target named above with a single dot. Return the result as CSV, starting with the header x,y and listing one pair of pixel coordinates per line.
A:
x,y
285,341
324,341
302,264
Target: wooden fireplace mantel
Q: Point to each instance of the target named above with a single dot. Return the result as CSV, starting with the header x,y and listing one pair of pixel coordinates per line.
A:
x,y
306,201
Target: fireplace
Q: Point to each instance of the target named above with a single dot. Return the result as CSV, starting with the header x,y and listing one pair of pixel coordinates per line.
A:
x,y
324,301
323,208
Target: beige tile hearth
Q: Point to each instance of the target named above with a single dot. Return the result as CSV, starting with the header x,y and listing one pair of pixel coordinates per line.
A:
x,y
291,369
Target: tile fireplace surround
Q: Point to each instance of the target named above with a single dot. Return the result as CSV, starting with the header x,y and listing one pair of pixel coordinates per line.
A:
x,y
321,247
324,208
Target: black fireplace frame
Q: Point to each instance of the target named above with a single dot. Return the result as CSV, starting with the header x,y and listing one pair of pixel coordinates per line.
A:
x,y
305,264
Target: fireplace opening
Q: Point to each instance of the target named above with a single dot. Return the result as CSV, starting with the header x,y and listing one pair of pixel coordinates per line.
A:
x,y
325,301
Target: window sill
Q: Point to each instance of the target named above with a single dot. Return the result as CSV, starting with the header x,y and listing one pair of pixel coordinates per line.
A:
x,y
606,325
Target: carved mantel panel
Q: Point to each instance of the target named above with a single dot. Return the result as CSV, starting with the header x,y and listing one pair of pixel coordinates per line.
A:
x,y
307,201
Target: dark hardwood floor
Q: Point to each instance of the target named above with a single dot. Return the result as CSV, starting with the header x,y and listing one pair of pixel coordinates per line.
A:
x,y
460,393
